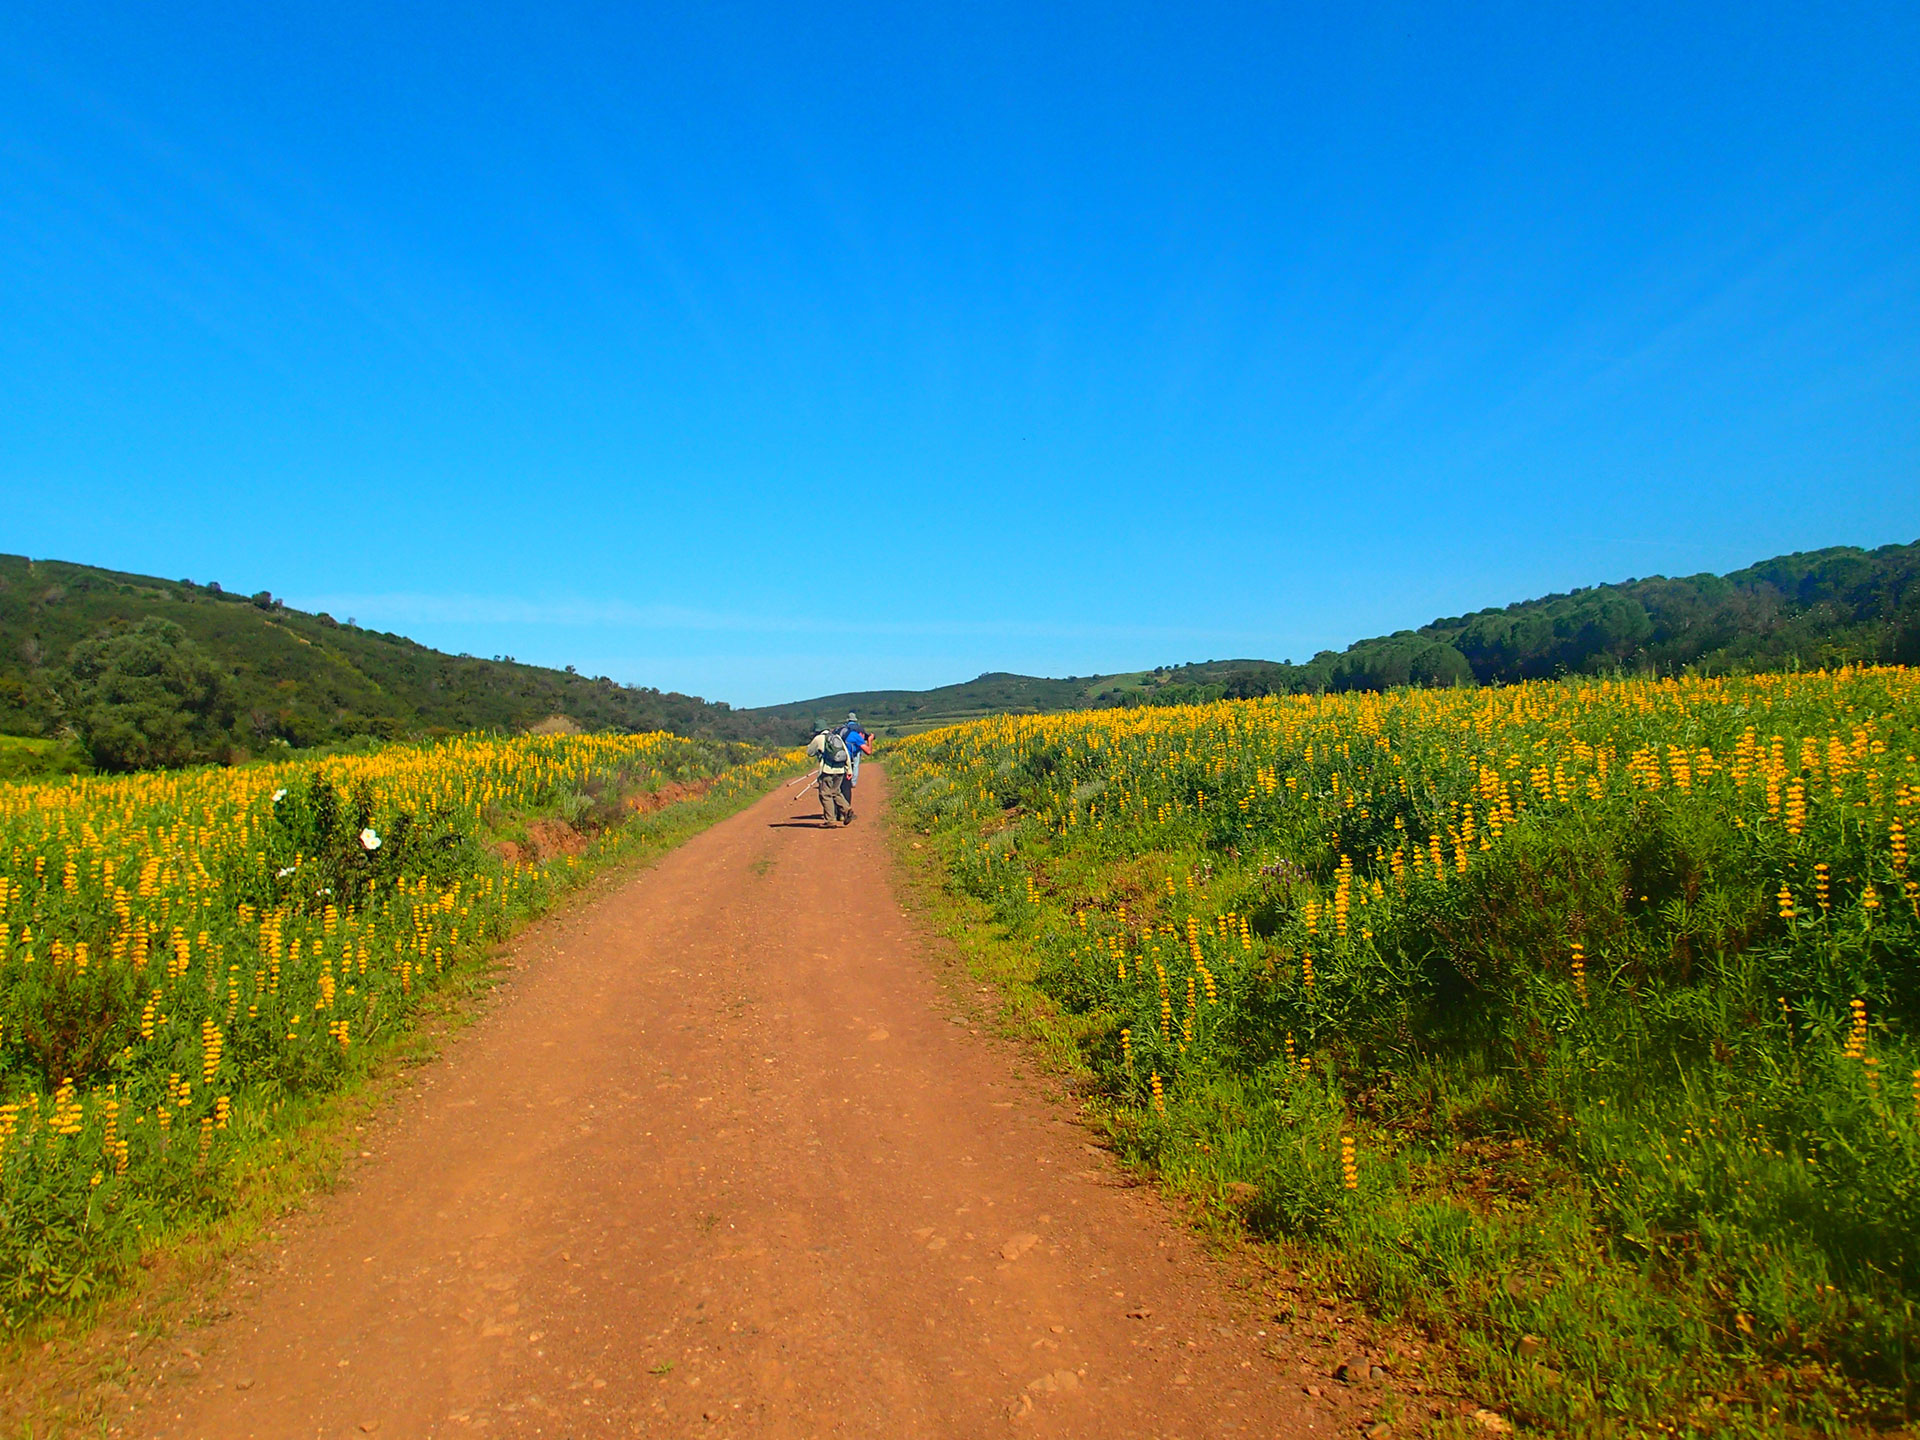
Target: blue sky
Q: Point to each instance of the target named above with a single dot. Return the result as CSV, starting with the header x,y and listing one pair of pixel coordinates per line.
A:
x,y
765,351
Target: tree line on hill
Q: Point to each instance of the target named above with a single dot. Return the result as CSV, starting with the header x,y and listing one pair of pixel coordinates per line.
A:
x,y
1818,609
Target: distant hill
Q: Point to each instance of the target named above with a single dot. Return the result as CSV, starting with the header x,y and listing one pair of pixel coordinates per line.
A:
x,y
1818,608
302,680
903,711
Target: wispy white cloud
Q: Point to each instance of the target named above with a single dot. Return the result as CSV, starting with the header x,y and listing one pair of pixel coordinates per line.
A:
x,y
399,608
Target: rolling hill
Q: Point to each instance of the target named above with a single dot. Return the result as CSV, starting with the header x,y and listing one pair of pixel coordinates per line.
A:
x,y
301,680
1806,610
294,679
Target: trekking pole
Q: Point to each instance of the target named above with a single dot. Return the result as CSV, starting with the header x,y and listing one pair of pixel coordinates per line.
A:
x,y
812,780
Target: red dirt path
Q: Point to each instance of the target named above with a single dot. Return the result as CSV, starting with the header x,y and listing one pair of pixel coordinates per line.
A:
x,y
720,1161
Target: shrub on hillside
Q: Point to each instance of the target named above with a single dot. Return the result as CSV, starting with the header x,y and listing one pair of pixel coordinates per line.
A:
x,y
146,697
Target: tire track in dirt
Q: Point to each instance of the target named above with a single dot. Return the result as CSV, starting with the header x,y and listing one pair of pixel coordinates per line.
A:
x,y
720,1161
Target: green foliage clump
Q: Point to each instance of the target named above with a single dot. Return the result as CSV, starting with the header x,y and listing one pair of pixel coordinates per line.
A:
x,y
24,757
145,697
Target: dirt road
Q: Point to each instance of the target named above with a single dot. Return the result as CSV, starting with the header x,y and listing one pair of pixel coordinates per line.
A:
x,y
725,1160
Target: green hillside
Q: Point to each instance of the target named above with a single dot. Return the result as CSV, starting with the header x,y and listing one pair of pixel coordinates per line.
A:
x,y
1818,608
294,679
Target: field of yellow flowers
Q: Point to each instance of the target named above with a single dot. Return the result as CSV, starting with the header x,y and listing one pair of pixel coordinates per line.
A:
x,y
183,953
1575,1020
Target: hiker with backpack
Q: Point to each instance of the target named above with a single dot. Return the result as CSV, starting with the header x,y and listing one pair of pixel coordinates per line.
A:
x,y
829,748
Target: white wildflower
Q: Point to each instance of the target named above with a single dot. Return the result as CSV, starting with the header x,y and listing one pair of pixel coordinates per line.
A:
x,y
369,840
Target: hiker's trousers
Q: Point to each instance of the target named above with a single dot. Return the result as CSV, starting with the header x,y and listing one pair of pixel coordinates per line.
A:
x,y
834,804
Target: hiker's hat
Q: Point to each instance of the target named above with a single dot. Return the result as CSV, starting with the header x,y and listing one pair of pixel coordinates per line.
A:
x,y
852,716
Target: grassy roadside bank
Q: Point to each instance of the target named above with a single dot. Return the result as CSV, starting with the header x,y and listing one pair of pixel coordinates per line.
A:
x,y
67,1371
1299,1291
1570,1023
184,956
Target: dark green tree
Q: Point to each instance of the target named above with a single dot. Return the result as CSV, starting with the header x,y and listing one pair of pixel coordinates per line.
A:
x,y
145,696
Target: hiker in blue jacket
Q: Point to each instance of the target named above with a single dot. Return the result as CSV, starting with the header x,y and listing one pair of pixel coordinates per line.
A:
x,y
858,743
